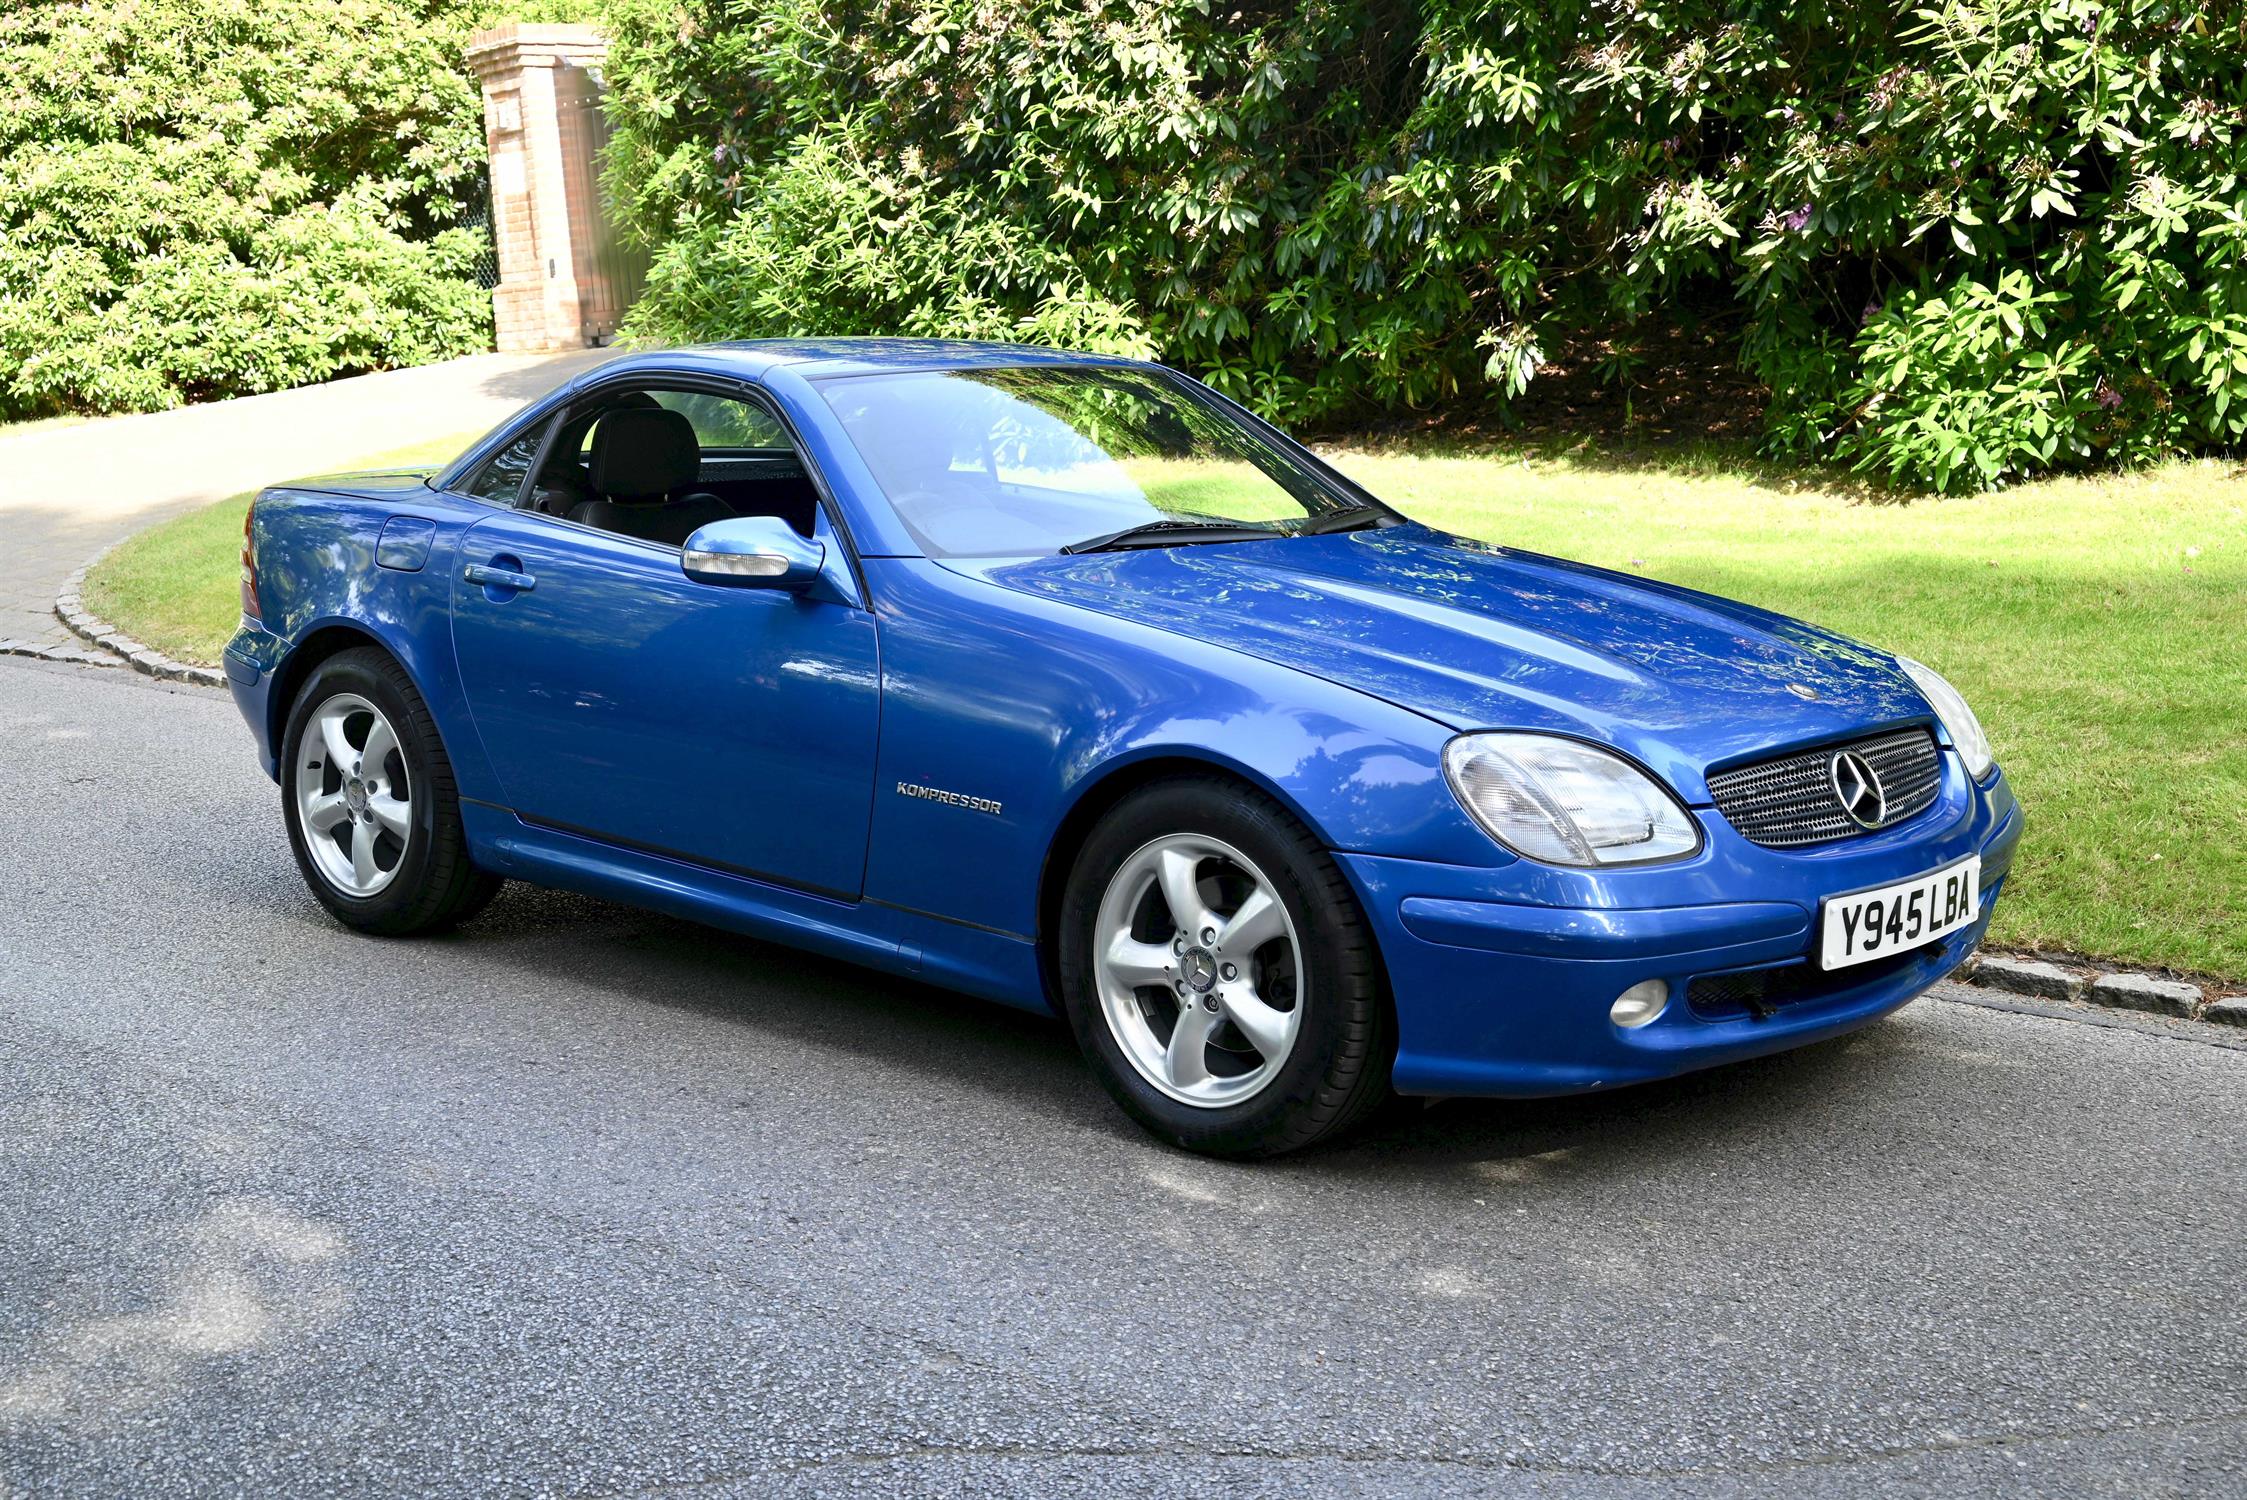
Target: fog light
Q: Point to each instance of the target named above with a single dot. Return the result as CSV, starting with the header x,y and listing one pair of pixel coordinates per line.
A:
x,y
1639,1004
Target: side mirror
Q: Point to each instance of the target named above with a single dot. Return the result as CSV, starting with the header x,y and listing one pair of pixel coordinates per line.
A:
x,y
752,552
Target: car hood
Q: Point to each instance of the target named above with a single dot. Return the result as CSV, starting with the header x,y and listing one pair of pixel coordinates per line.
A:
x,y
1482,637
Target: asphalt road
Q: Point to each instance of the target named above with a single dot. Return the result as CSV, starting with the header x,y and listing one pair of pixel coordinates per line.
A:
x,y
585,1201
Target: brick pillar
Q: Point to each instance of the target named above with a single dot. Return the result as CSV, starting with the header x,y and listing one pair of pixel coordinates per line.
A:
x,y
536,198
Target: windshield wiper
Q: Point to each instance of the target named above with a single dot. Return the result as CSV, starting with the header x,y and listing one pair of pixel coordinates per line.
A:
x,y
1167,533
1355,518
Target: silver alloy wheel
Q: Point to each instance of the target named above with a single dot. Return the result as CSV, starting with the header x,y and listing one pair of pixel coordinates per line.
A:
x,y
1199,971
354,802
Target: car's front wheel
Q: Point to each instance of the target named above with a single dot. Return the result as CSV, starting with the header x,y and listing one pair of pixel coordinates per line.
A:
x,y
1218,974
368,795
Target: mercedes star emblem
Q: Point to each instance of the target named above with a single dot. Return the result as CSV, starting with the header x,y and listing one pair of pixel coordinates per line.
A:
x,y
1858,789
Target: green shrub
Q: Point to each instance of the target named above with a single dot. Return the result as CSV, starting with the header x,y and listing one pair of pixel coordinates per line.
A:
x,y
204,198
1958,244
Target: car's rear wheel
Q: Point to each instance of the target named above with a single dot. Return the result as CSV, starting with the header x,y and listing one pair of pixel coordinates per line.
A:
x,y
1218,974
368,796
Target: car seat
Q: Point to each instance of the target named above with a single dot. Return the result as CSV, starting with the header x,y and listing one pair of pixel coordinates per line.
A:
x,y
642,461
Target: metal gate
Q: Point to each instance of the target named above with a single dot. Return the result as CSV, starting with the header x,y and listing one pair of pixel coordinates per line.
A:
x,y
610,272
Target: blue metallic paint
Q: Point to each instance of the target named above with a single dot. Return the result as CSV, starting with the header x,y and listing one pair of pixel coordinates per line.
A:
x,y
620,697
731,755
404,543
1477,637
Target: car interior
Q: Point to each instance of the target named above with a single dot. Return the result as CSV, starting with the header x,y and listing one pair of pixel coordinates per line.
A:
x,y
658,465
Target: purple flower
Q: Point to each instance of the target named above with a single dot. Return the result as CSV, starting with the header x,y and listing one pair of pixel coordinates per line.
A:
x,y
2108,396
1872,310
1797,221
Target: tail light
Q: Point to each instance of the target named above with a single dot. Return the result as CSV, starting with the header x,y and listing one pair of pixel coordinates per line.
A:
x,y
250,607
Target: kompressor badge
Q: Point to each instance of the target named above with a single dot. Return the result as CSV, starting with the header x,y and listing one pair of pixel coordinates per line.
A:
x,y
949,799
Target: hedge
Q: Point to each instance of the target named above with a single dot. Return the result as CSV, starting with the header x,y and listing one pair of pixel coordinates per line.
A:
x,y
1958,244
205,198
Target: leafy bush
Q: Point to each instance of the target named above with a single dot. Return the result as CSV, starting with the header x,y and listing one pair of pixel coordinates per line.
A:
x,y
204,198
1958,243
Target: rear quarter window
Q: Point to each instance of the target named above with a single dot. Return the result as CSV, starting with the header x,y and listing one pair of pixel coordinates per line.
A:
x,y
724,422
501,478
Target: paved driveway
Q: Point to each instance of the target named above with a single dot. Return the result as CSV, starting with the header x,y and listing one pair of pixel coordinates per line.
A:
x,y
586,1201
65,492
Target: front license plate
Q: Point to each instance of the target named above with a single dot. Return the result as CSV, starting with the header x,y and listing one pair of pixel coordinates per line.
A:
x,y
1866,925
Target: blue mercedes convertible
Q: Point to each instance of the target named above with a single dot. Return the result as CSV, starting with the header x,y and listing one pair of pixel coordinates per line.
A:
x,y
1065,681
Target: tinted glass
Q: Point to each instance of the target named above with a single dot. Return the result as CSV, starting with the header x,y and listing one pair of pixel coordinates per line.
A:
x,y
719,422
501,479
1023,461
723,423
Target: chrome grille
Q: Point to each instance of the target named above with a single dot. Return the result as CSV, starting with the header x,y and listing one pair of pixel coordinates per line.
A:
x,y
1789,801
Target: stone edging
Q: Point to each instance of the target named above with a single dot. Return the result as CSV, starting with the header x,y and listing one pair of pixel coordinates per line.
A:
x,y
98,632
2155,994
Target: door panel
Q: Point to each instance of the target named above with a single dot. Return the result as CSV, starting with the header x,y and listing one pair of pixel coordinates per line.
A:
x,y
617,697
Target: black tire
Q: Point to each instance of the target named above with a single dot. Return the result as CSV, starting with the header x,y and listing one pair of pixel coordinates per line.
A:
x,y
1337,1071
433,885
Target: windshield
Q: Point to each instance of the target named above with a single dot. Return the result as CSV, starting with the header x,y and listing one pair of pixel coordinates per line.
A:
x,y
1039,459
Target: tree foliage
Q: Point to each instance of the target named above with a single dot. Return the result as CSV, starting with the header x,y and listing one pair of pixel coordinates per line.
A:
x,y
205,198
1959,243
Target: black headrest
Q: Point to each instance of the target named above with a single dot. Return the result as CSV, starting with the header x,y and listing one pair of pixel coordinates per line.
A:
x,y
639,452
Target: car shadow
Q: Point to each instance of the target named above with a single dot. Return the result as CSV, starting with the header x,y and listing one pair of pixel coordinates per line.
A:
x,y
1021,1061
785,993
1630,1129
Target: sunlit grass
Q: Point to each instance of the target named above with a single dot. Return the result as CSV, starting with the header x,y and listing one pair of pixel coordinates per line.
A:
x,y
2099,627
1202,485
1227,491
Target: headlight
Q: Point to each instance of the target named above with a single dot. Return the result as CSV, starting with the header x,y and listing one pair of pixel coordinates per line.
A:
x,y
1965,730
1564,802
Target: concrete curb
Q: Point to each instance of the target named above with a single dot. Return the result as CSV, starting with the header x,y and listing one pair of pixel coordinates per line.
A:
x,y
2116,989
97,632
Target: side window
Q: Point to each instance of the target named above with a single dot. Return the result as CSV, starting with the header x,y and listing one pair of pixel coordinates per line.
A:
x,y
719,422
657,464
500,480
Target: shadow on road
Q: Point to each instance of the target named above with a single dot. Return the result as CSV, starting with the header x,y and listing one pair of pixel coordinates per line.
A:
x,y
1028,1064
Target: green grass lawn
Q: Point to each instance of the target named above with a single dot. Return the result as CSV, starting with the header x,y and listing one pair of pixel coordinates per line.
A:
x,y
2099,627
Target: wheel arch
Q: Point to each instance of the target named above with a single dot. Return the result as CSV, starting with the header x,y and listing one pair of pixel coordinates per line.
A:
x,y
297,666
1102,790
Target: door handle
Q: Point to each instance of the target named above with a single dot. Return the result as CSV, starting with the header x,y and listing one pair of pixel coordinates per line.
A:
x,y
499,578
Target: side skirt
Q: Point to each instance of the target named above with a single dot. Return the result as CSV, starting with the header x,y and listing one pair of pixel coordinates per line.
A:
x,y
992,965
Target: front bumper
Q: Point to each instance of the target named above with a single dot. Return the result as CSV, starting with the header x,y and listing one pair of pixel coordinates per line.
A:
x,y
1503,975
